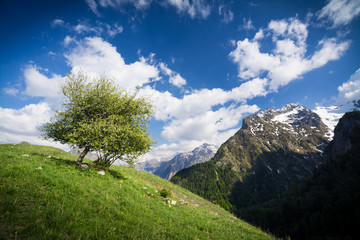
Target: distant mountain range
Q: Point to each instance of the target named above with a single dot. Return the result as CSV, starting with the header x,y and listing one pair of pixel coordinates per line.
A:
x,y
151,165
273,151
184,160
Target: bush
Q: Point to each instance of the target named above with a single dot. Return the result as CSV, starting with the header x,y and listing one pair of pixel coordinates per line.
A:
x,y
165,193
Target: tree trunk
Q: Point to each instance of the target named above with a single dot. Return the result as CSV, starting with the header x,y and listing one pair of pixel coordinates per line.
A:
x,y
82,155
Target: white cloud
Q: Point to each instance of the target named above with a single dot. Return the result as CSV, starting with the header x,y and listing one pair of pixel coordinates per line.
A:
x,y
330,50
201,101
247,24
81,28
350,90
207,126
84,27
227,15
196,8
11,91
174,78
68,40
113,31
93,6
17,125
57,22
38,85
138,4
288,61
259,35
213,127
340,12
96,57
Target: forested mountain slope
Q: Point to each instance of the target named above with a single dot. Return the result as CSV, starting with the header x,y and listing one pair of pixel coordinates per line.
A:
x,y
273,150
327,205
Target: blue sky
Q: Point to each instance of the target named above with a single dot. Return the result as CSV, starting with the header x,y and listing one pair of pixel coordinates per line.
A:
x,y
205,64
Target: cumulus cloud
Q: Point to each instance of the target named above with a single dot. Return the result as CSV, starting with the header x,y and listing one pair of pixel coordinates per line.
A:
x,y
350,90
96,56
39,85
201,101
207,126
288,60
174,78
17,125
340,12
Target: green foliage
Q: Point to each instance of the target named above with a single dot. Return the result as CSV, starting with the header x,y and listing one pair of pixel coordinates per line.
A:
x,y
43,195
165,193
98,116
208,181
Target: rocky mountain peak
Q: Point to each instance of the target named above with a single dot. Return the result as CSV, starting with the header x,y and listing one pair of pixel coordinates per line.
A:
x,y
273,150
292,119
180,161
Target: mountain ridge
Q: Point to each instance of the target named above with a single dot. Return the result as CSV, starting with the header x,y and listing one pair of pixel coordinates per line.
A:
x,y
273,150
325,206
180,161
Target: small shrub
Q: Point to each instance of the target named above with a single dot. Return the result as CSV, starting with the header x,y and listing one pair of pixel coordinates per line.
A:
x,y
24,143
165,193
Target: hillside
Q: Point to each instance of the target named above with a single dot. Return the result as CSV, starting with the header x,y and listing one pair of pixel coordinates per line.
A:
x,y
273,150
184,160
327,205
43,195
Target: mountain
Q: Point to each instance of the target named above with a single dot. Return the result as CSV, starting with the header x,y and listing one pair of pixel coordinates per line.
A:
x,y
331,115
326,206
44,195
184,160
273,150
150,165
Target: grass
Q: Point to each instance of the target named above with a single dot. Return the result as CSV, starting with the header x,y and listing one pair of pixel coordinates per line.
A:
x,y
43,195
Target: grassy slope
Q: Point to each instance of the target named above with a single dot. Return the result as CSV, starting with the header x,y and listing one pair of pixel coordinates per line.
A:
x,y
60,201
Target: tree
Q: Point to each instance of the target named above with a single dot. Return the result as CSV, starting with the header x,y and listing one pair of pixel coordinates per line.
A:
x,y
98,116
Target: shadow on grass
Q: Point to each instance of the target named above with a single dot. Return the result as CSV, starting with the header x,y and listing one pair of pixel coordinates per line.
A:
x,y
90,166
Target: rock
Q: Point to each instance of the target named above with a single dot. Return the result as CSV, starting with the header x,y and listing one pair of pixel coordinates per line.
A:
x,y
144,188
25,155
39,168
102,172
169,201
181,201
84,166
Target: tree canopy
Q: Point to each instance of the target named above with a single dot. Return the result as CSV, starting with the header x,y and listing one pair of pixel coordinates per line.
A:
x,y
97,115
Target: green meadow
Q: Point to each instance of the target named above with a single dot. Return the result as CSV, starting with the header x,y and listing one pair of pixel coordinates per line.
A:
x,y
44,195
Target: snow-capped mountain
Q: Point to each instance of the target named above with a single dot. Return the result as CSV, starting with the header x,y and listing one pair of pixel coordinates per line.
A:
x,y
273,150
331,115
184,160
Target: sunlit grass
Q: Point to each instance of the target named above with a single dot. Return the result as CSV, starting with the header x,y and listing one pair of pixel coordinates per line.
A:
x,y
44,195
